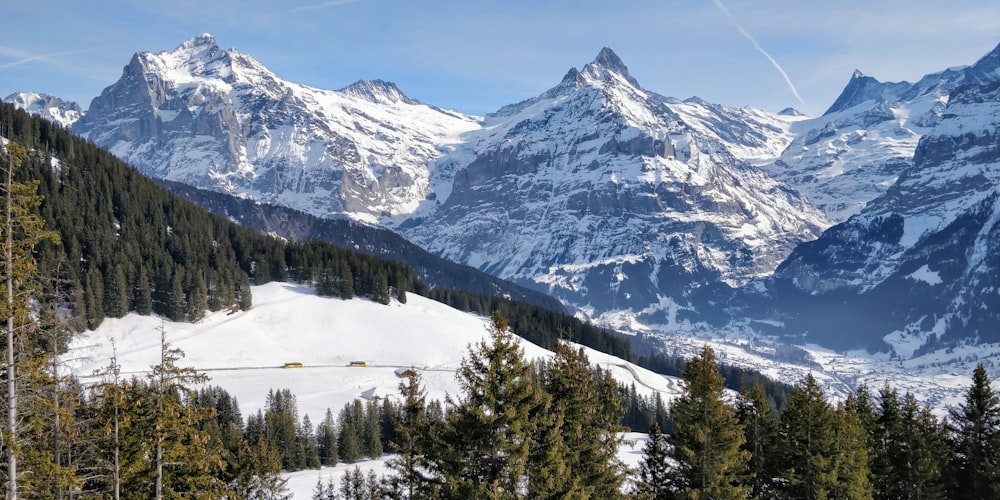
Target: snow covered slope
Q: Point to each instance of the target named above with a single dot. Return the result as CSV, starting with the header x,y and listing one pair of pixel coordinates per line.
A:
x,y
51,108
614,198
244,352
854,152
218,119
917,269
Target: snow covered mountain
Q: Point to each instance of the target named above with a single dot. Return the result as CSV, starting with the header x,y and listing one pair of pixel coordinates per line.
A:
x,y
614,198
218,119
609,196
916,270
643,211
852,154
51,108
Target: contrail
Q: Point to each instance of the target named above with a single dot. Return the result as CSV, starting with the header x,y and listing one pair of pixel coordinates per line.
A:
x,y
718,3
323,5
25,58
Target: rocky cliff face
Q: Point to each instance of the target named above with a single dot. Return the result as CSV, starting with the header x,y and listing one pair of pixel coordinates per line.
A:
x,y
217,119
916,269
616,199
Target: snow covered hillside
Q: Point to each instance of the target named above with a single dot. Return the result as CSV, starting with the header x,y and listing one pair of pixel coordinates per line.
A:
x,y
244,352
218,119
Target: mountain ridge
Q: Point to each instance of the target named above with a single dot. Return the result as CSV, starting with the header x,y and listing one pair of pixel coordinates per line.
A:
x,y
640,210
218,119
591,190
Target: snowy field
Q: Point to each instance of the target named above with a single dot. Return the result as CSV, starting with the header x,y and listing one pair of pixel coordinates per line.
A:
x,y
244,353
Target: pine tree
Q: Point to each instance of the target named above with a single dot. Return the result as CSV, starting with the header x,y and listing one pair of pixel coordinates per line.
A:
x,y
258,470
185,459
550,475
707,440
850,458
413,434
807,440
197,301
372,431
920,468
244,299
326,436
309,445
760,427
116,296
654,469
282,433
488,432
319,491
889,447
350,437
976,468
22,231
353,486
590,411
176,305
94,297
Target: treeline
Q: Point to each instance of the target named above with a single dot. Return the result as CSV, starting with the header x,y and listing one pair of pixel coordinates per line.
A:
x,y
295,225
883,447
542,327
545,328
126,244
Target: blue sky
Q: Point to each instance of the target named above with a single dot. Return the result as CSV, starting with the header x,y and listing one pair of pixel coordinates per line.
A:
x,y
475,56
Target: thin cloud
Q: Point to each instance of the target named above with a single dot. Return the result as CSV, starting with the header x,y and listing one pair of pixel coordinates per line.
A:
x,y
323,5
25,58
718,3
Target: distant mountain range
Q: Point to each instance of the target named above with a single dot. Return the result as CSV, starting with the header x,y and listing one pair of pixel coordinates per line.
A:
x,y
870,226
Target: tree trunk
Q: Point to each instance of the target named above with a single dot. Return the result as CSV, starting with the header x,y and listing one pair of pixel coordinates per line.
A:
x,y
159,417
11,438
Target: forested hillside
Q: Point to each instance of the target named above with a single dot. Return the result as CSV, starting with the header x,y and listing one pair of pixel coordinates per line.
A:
x,y
129,245
293,224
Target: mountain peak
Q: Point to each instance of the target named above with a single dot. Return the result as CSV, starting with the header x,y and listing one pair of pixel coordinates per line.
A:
x,y
790,112
607,63
49,107
988,66
377,91
198,47
859,89
202,40
608,59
